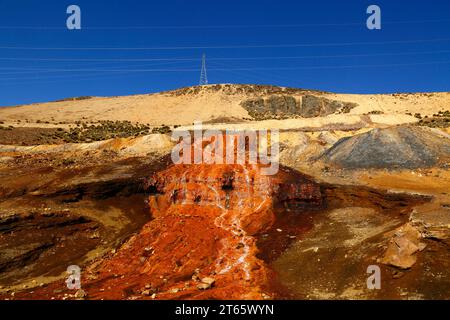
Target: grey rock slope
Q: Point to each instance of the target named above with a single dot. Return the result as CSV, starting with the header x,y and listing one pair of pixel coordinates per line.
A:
x,y
306,106
406,147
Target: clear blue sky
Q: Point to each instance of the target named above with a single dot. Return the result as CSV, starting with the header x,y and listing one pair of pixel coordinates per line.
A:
x,y
313,44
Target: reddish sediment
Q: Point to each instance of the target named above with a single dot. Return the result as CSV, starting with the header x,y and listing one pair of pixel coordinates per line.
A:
x,y
205,222
201,241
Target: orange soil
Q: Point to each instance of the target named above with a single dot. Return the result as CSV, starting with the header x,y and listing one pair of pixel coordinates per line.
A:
x,y
206,219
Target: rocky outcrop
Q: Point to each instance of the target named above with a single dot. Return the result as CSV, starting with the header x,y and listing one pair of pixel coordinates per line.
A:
x,y
313,106
433,221
232,89
403,246
283,106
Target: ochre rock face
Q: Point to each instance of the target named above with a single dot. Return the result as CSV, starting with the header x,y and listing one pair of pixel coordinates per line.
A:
x,y
204,221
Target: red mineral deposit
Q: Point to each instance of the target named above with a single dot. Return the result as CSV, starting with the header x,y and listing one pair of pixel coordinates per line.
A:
x,y
201,240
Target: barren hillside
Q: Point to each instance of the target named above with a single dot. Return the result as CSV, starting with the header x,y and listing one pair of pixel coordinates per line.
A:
x,y
220,103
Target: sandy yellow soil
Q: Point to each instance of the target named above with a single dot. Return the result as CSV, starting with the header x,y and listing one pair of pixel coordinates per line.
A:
x,y
175,108
423,103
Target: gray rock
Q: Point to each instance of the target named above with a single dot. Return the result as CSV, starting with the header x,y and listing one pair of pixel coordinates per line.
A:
x,y
276,106
405,147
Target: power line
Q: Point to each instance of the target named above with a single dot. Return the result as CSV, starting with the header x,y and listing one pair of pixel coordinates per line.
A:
x,y
260,76
68,77
227,58
37,70
100,59
25,70
330,44
338,67
129,72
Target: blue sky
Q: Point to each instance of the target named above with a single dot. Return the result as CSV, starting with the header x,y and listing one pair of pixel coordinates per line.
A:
x,y
135,46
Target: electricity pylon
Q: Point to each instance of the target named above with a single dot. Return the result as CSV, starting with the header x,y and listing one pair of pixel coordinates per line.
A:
x,y
203,76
